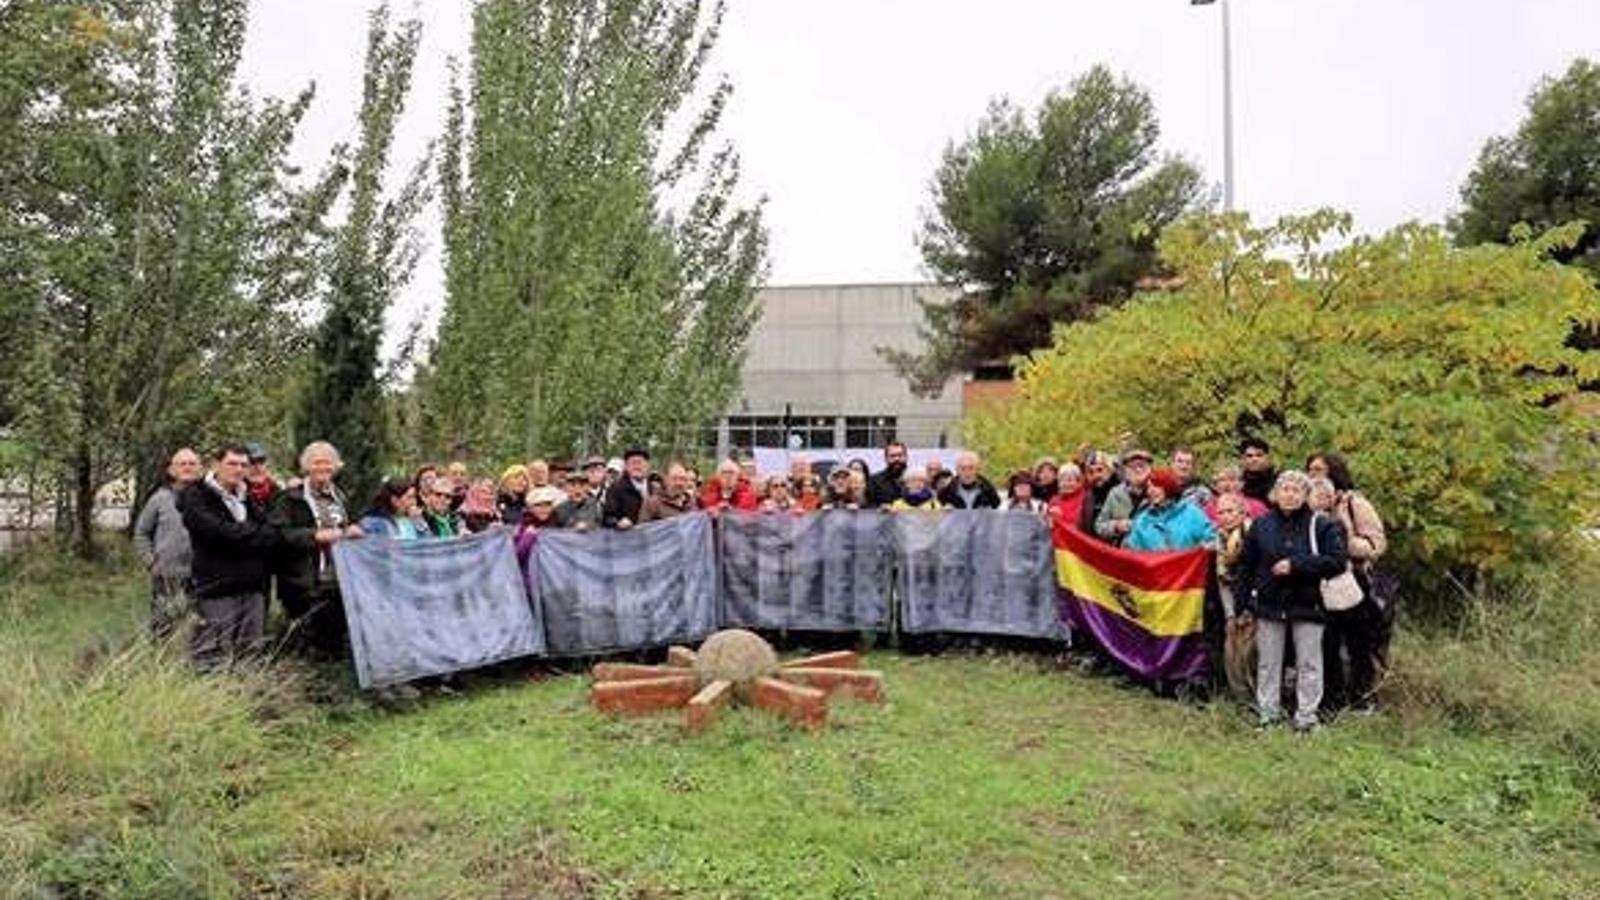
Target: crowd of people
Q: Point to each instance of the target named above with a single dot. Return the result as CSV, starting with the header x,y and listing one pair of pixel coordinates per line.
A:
x,y
1295,549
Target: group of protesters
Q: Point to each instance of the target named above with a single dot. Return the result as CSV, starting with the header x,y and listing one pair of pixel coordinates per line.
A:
x,y
1294,549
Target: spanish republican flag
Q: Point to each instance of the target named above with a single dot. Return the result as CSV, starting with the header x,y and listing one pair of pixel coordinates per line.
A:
x,y
1145,609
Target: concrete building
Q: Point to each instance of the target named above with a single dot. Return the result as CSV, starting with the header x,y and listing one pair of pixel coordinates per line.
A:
x,y
813,378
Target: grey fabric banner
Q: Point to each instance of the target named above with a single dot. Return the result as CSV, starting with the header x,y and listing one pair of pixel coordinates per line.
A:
x,y
620,590
419,608
827,571
977,571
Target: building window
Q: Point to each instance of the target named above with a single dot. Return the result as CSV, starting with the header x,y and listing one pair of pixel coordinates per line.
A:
x,y
812,432
869,431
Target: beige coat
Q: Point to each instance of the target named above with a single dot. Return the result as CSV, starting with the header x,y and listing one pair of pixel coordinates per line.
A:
x,y
1362,527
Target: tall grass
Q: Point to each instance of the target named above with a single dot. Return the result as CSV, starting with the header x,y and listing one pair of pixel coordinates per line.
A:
x,y
123,775
1523,660
114,760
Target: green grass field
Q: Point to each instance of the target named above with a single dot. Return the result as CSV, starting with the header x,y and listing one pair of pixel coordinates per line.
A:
x,y
984,776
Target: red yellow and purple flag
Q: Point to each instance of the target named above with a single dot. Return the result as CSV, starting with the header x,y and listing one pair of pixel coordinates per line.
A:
x,y
1145,609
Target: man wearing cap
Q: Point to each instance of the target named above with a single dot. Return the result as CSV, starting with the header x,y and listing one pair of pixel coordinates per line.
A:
x,y
839,495
627,494
1115,519
580,510
258,479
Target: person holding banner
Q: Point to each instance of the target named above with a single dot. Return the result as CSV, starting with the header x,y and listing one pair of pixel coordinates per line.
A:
x,y
438,507
1019,494
916,494
512,498
728,490
308,586
580,509
1167,522
1287,555
886,486
394,512
969,490
675,499
627,494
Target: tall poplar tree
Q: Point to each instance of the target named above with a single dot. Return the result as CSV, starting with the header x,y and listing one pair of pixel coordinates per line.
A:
x,y
372,255
580,312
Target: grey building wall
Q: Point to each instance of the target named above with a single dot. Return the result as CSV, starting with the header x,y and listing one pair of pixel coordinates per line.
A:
x,y
814,354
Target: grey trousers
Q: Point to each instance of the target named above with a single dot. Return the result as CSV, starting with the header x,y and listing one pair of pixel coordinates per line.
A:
x,y
229,629
1270,637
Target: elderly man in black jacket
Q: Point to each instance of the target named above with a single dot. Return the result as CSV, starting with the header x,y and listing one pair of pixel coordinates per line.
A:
x,y
625,497
969,490
233,546
1286,556
307,585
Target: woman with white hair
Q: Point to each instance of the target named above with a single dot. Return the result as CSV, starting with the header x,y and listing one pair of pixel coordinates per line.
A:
x,y
1287,554
918,494
308,587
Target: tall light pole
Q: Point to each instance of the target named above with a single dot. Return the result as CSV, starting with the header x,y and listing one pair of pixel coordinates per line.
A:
x,y
1227,104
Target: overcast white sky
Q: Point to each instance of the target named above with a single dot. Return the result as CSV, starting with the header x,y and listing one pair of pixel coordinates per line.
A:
x,y
842,107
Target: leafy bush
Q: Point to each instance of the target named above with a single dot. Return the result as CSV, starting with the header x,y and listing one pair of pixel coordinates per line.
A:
x,y
1440,372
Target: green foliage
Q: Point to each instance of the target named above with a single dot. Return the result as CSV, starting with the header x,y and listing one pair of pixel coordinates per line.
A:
x,y
580,314
1544,175
155,244
1438,371
1043,222
371,256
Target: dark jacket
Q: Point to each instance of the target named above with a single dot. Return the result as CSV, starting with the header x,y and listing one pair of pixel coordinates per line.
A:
x,y
1296,597
1260,484
512,506
884,488
230,557
988,497
296,564
1094,499
623,501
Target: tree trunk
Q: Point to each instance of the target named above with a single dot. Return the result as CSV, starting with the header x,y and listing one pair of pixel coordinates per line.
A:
x,y
83,504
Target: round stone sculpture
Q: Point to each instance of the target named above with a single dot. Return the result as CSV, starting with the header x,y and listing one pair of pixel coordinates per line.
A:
x,y
735,655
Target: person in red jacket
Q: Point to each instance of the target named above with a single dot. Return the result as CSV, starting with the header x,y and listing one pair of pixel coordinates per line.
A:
x,y
728,490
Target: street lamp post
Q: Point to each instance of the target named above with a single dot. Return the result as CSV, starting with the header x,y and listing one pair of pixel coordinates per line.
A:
x,y
1227,104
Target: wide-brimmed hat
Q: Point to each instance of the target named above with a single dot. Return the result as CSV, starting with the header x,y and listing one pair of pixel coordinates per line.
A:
x,y
545,494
